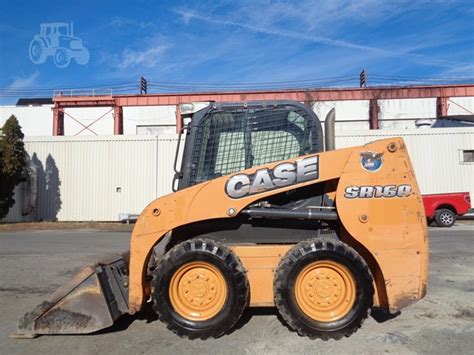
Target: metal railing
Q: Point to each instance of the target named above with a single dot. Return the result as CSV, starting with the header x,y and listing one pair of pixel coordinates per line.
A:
x,y
83,92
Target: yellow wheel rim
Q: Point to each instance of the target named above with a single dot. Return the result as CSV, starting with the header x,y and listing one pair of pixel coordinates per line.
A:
x,y
198,291
325,291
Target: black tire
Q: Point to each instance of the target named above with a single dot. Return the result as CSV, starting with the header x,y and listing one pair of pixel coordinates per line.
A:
x,y
211,252
305,253
445,217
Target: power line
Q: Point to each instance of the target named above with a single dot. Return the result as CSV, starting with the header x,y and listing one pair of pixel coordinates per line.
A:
x,y
178,86
258,83
440,78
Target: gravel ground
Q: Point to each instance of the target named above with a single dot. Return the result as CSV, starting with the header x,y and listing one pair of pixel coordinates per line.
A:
x,y
35,263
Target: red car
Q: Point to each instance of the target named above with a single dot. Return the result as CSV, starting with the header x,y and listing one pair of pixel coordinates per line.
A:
x,y
443,208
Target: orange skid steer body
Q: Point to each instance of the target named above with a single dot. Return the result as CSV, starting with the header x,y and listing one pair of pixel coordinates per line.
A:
x,y
338,232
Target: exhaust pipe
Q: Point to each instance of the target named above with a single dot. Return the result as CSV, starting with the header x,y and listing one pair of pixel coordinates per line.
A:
x,y
330,130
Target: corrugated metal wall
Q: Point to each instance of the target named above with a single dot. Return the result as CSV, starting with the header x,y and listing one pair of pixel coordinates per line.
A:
x,y
166,151
98,177
94,178
15,214
436,155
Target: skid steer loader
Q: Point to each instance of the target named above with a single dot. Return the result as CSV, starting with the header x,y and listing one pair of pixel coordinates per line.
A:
x,y
263,216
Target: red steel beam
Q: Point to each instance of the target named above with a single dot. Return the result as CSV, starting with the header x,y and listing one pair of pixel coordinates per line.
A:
x,y
441,106
84,101
381,93
118,120
58,121
179,120
373,114
441,92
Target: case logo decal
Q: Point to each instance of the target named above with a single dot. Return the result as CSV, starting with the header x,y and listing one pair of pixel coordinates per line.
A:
x,y
371,161
282,175
378,191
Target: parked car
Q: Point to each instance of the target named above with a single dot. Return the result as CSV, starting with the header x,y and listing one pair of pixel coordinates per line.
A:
x,y
444,208
446,122
454,121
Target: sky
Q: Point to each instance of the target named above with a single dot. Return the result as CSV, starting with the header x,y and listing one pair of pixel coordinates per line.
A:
x,y
205,45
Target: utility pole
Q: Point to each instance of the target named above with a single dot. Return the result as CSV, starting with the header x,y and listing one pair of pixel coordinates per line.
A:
x,y
143,86
363,79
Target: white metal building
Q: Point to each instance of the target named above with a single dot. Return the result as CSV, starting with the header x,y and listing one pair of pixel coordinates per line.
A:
x,y
90,174
96,178
157,120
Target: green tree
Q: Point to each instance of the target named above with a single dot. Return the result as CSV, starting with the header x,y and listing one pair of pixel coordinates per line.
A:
x,y
12,162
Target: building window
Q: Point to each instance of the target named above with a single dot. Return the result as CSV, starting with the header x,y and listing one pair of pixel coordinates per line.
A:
x,y
468,156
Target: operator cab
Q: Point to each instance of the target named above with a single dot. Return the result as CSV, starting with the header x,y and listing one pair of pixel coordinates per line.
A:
x,y
225,138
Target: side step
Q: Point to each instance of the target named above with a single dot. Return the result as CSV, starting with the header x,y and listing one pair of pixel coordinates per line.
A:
x,y
91,301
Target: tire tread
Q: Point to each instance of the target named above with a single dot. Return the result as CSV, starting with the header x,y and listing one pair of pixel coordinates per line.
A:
x,y
289,260
226,256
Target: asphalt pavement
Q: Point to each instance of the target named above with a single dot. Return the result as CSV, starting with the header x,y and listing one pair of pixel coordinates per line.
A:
x,y
34,263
